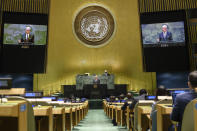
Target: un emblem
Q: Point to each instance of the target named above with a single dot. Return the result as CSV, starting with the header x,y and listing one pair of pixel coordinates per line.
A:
x,y
94,26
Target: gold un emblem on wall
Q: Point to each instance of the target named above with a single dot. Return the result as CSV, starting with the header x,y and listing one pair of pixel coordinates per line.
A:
x,y
94,26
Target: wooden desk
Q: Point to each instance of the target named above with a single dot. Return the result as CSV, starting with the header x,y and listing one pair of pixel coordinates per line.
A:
x,y
78,114
46,122
142,112
118,114
128,118
110,111
163,116
74,116
68,118
59,119
81,112
10,113
12,91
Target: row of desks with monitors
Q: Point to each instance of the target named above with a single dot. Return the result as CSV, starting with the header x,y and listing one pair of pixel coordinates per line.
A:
x,y
142,111
15,115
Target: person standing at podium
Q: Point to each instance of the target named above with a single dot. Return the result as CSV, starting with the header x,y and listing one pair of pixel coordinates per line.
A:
x,y
96,80
106,73
27,37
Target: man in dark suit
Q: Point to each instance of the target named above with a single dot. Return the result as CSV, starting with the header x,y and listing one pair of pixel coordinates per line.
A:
x,y
106,73
165,36
142,95
183,99
28,36
96,80
129,99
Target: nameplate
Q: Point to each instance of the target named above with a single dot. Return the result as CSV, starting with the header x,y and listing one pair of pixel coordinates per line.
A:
x,y
196,106
23,107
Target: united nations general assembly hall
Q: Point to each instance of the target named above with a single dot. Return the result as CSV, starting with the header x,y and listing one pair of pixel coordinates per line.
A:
x,y
98,65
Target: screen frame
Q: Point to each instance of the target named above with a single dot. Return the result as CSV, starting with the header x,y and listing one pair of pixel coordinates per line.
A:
x,y
3,30
23,18
167,43
149,64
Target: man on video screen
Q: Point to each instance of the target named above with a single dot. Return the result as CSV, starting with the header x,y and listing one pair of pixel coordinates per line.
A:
x,y
165,36
27,37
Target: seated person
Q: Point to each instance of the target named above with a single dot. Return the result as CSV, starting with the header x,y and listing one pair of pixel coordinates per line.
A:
x,y
112,99
106,73
129,99
143,93
27,37
121,98
160,91
183,99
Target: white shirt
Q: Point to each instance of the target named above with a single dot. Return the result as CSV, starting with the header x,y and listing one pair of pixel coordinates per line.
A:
x,y
164,34
27,36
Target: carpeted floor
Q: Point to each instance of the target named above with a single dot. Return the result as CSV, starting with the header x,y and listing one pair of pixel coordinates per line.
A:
x,y
96,120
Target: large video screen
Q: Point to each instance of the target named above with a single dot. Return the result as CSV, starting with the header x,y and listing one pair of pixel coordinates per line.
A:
x,y
164,39
163,34
25,34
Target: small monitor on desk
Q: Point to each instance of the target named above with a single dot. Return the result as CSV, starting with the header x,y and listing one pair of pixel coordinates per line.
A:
x,y
30,95
33,94
60,100
150,97
5,83
53,98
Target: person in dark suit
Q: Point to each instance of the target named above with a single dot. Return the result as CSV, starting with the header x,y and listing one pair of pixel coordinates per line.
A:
x,y
129,99
142,95
106,73
96,80
165,36
183,99
27,37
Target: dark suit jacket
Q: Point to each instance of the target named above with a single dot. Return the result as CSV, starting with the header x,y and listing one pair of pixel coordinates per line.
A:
x,y
126,104
30,39
135,101
96,81
167,38
180,103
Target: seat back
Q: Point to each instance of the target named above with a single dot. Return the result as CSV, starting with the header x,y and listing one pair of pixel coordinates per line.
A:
x,y
189,122
154,113
140,103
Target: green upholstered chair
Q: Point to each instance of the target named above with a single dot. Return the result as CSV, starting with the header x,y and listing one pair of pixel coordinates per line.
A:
x,y
189,122
140,103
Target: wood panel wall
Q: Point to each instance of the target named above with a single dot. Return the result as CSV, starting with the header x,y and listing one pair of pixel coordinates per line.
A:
x,y
166,5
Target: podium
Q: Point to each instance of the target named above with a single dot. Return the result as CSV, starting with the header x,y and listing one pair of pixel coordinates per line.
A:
x,y
95,91
25,43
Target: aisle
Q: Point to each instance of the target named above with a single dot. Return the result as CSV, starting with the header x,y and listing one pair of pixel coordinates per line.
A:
x,y
96,120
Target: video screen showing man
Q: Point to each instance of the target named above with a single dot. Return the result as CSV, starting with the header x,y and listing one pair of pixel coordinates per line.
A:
x,y
96,80
14,34
161,34
165,36
27,37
